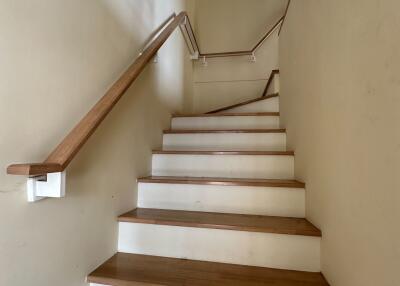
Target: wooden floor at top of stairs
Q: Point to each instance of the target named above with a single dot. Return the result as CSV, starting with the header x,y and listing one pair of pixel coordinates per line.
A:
x,y
222,181
140,270
237,222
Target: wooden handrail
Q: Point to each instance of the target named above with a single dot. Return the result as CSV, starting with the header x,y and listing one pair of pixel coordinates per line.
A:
x,y
284,16
63,154
59,159
271,77
190,38
245,53
268,34
157,31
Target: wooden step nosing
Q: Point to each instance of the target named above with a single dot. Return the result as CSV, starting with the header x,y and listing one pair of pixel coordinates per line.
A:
x,y
218,226
291,185
244,114
129,218
222,153
212,131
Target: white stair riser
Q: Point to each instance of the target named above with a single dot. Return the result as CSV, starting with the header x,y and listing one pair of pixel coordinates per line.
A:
x,y
268,105
225,166
226,141
93,284
293,252
288,202
226,122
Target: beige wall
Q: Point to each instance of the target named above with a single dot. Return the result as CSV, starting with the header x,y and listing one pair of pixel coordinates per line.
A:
x,y
340,86
226,25
57,59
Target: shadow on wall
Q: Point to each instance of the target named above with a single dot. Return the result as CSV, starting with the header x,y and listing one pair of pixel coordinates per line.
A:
x,y
61,57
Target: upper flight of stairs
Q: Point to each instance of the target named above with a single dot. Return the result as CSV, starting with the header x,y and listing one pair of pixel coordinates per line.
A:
x,y
221,207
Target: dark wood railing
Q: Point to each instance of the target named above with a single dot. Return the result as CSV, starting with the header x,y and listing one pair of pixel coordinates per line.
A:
x,y
248,52
284,16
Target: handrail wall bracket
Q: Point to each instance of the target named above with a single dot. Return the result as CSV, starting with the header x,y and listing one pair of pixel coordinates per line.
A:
x,y
204,61
253,58
51,185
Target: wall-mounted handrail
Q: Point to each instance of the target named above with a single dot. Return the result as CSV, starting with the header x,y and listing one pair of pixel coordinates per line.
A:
x,y
268,34
156,32
193,46
190,38
284,16
245,53
63,154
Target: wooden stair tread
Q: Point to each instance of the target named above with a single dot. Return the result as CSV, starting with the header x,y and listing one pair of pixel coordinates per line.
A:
x,y
131,269
227,114
238,222
223,181
243,103
182,152
190,131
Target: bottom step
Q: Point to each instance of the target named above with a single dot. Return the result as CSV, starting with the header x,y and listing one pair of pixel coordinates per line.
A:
x,y
132,269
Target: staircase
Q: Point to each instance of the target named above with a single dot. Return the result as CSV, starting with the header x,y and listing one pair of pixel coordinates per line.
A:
x,y
221,208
